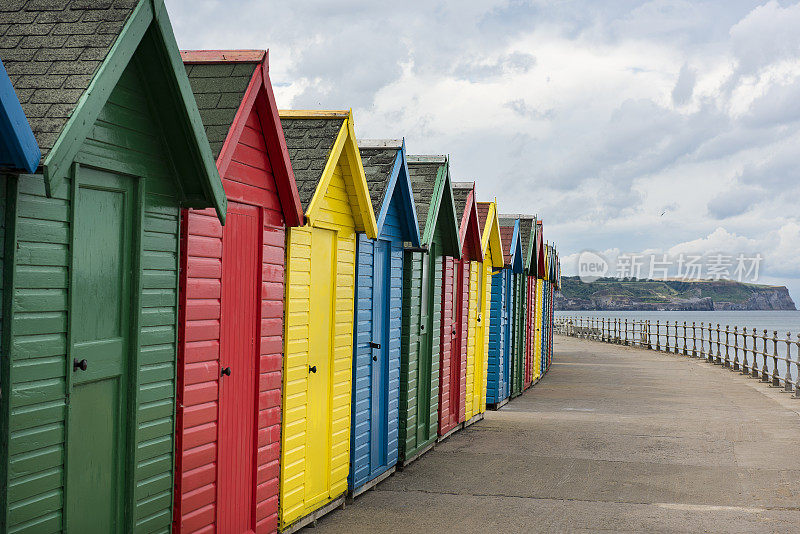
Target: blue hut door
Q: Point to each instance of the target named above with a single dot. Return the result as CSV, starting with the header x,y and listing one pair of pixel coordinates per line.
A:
x,y
380,360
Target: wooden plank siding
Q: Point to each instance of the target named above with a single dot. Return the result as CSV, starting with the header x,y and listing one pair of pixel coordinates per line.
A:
x,y
126,137
474,353
393,233
249,179
335,212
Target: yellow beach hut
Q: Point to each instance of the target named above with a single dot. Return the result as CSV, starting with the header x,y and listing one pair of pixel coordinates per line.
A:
x,y
318,340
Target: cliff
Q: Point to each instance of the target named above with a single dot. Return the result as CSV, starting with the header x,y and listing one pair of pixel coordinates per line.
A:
x,y
669,295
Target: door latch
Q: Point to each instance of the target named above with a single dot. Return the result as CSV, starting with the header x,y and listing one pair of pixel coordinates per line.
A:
x,y
312,368
226,371
82,365
374,345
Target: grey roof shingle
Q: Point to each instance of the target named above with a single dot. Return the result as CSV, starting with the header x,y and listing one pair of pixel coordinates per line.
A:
x,y
423,180
378,164
309,142
52,50
461,191
525,229
219,89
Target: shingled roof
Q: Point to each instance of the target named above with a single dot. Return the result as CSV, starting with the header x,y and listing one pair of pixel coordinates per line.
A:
x,y
52,50
483,212
310,141
461,191
506,233
525,229
219,89
422,171
378,162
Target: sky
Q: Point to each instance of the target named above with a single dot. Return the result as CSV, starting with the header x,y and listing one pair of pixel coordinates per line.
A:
x,y
662,126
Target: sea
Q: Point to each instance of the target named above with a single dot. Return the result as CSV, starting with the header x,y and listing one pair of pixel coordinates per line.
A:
x,y
784,322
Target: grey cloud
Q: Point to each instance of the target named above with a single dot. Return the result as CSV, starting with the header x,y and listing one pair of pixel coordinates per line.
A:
x,y
734,201
508,65
684,87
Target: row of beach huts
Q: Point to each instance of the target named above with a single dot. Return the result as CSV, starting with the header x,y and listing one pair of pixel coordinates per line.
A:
x,y
221,317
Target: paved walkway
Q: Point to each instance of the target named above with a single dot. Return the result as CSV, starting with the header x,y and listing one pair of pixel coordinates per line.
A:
x,y
613,439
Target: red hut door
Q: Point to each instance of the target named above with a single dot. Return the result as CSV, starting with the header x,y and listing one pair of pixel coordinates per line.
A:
x,y
459,358
238,364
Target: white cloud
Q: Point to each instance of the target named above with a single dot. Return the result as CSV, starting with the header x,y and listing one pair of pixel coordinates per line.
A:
x,y
643,125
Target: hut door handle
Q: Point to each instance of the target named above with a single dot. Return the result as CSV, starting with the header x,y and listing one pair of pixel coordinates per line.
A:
x,y
82,365
374,358
374,345
226,371
312,368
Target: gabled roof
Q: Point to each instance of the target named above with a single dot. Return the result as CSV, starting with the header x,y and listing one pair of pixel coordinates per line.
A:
x,y
490,235
433,197
228,85
316,141
540,250
66,57
469,231
386,171
18,148
512,254
526,234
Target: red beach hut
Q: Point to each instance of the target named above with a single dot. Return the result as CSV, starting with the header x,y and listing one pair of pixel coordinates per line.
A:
x,y
231,307
458,273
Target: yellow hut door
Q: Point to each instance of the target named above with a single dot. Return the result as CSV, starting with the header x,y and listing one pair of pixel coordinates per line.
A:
x,y
321,321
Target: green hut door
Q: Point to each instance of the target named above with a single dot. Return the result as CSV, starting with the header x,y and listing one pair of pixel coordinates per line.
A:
x,y
103,253
425,362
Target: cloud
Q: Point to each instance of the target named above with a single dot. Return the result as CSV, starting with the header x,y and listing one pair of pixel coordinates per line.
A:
x,y
684,87
634,125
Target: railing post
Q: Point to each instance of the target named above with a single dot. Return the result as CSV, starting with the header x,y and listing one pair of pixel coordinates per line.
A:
x,y
702,340
788,381
726,363
677,347
776,379
754,366
658,335
745,363
710,354
694,340
666,343
797,368
764,368
719,355
735,348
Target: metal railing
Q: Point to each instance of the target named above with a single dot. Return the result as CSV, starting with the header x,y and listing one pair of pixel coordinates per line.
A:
x,y
768,358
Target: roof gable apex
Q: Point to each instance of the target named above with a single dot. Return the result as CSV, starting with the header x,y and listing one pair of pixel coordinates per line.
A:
x,y
400,183
18,147
260,96
344,146
469,228
491,238
149,18
516,249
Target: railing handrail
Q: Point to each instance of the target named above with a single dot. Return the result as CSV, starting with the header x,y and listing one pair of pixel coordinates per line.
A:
x,y
731,351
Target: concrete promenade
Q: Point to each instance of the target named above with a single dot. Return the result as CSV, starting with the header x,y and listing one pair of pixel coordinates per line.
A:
x,y
613,439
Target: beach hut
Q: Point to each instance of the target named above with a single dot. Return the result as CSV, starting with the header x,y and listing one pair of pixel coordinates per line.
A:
x,y
422,304
230,341
531,303
507,365
92,257
499,328
453,393
318,331
492,247
540,302
523,372
378,312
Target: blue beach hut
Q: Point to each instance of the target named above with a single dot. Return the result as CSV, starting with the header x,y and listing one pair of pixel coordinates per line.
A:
x,y
498,387
378,310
